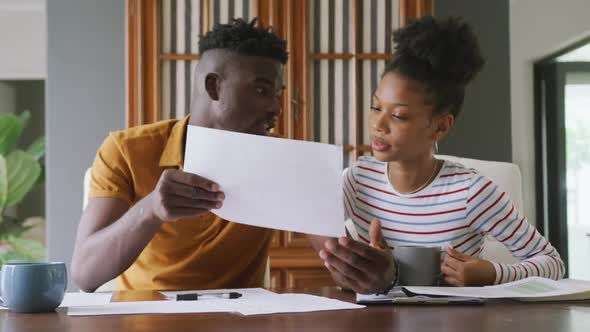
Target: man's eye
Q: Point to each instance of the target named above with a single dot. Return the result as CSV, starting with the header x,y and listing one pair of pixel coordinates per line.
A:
x,y
375,109
261,91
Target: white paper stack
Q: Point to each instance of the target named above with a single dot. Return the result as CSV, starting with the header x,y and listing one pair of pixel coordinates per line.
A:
x,y
254,301
532,289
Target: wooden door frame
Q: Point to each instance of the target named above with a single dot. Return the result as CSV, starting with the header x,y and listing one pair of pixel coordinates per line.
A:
x,y
143,50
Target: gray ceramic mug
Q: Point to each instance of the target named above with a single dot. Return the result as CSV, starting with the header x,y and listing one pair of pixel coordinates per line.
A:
x,y
33,287
418,266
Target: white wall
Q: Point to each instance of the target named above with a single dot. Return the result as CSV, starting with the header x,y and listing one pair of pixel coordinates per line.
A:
x,y
85,100
23,38
538,28
482,130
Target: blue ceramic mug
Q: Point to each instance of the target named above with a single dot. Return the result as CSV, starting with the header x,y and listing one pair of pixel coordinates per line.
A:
x,y
33,287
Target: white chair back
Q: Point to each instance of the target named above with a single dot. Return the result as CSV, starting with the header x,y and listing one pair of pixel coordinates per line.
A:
x,y
508,178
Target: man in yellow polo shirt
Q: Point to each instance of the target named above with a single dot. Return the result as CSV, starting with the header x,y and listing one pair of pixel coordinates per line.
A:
x,y
150,223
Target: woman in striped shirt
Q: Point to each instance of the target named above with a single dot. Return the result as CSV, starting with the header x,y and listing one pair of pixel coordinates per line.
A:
x,y
403,195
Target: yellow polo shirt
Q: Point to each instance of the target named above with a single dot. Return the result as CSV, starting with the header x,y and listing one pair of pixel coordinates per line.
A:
x,y
199,253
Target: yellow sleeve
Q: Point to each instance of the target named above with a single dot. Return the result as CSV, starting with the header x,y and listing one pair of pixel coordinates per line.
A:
x,y
111,176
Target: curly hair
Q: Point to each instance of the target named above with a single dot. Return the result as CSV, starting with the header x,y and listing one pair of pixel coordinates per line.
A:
x,y
442,54
245,38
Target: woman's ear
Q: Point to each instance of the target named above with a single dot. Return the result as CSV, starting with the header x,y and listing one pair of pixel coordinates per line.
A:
x,y
212,86
444,123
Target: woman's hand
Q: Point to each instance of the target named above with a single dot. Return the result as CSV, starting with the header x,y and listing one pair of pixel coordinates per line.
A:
x,y
463,270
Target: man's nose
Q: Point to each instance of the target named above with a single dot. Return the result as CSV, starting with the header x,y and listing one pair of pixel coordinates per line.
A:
x,y
276,106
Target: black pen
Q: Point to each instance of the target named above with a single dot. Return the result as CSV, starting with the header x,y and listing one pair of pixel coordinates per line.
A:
x,y
196,296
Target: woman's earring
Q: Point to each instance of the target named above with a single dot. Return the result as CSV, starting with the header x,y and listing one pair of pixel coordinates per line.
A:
x,y
436,147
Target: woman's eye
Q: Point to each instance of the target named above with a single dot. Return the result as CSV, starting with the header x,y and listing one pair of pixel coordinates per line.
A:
x,y
375,109
397,117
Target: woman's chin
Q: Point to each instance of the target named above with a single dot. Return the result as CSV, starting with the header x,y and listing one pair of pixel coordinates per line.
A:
x,y
383,157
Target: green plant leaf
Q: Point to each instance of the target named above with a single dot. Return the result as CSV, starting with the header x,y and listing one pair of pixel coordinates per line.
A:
x,y
10,130
37,148
12,227
3,185
31,249
23,172
12,256
41,178
24,118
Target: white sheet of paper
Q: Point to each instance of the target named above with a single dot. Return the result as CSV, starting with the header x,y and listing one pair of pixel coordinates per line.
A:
x,y
271,182
259,301
79,299
254,301
526,289
147,307
291,303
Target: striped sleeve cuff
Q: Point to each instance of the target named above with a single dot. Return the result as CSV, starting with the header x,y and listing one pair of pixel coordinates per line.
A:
x,y
499,273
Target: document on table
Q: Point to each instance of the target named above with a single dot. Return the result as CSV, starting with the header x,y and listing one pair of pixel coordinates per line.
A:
x,y
79,299
290,303
529,289
147,307
271,182
398,296
258,301
254,301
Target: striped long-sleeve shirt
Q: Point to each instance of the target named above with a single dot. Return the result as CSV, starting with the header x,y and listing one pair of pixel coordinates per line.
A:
x,y
458,208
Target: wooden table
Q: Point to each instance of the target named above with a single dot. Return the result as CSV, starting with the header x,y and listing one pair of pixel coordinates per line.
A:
x,y
502,316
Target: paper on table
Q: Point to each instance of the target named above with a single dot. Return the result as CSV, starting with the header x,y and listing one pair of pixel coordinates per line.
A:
x,y
393,293
252,302
398,296
529,289
258,301
284,303
580,291
79,299
148,307
156,307
271,182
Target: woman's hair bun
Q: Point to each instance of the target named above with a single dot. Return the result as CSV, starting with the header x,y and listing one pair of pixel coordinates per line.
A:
x,y
447,50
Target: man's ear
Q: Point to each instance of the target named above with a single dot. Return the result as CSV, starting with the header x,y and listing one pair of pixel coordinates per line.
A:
x,y
212,86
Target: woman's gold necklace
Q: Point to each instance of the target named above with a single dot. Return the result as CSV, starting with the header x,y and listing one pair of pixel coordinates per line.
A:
x,y
432,176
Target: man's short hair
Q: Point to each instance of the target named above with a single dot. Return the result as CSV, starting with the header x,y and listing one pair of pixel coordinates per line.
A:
x,y
245,38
